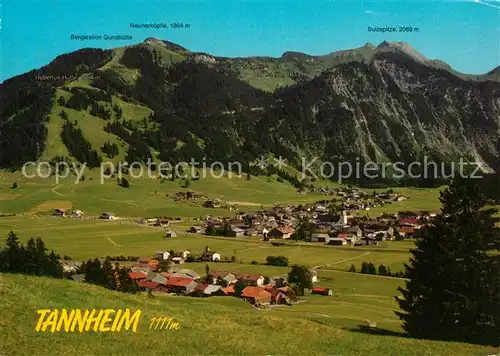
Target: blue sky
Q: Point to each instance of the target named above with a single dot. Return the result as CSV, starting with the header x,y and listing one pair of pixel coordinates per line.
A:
x,y
465,34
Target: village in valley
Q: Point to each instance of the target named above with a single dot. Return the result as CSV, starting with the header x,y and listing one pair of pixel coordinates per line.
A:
x,y
341,221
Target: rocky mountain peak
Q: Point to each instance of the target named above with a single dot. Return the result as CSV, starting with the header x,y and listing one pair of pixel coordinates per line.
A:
x,y
403,47
166,44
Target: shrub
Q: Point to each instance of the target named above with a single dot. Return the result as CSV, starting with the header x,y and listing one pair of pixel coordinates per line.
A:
x,y
277,260
382,270
371,268
124,183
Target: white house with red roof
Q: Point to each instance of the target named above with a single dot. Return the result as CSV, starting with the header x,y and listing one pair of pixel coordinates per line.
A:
x,y
253,279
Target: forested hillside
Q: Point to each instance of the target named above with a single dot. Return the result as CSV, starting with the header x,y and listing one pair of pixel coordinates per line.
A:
x,y
159,100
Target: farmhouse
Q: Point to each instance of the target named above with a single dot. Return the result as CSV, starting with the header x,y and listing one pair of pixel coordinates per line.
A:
x,y
320,237
108,216
71,266
235,232
170,233
207,289
321,209
181,285
210,256
337,241
355,230
178,260
185,254
407,232
277,295
227,276
409,214
229,290
251,279
256,295
162,222
141,268
314,275
145,285
184,271
281,232
77,213
322,291
137,276
211,204
60,212
162,255
250,232
196,229
409,222
158,278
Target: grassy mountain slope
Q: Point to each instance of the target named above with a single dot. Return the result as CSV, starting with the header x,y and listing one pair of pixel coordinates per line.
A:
x,y
209,326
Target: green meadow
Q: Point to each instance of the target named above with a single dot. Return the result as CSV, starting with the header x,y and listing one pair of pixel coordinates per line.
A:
x,y
146,196
320,325
140,199
27,210
84,239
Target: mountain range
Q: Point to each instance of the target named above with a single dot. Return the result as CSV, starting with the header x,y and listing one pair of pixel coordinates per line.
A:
x,y
156,99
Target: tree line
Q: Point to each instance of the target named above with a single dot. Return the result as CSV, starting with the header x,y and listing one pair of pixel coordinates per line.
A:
x,y
31,259
382,270
106,275
35,259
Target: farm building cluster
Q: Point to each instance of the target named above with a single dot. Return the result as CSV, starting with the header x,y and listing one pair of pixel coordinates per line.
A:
x,y
254,288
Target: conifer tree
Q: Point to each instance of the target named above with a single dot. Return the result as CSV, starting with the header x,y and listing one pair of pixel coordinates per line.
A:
x,y
31,259
12,255
109,275
382,270
453,291
126,284
53,267
371,269
41,254
364,267
94,273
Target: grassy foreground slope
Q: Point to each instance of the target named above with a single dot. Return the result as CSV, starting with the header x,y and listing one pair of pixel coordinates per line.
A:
x,y
211,326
